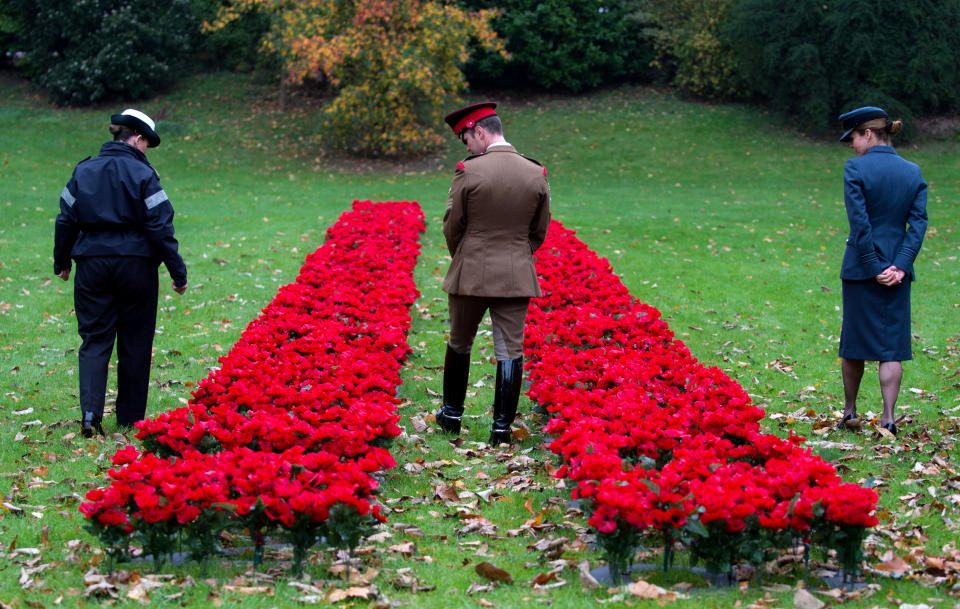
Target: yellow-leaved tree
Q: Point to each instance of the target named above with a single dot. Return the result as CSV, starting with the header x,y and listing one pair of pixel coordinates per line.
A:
x,y
395,65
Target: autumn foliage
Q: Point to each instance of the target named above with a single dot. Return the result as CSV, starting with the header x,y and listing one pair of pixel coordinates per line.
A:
x,y
395,65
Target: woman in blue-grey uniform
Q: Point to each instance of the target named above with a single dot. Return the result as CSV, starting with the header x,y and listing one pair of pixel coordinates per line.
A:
x,y
116,222
886,201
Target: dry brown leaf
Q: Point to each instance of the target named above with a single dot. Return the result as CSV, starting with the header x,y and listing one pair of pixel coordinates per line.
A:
x,y
644,589
543,578
476,587
587,580
520,435
893,565
493,573
407,548
804,600
267,590
446,493
311,590
336,595
485,603
419,424
140,591
528,505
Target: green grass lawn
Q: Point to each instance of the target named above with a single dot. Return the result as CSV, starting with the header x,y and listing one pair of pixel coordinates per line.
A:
x,y
728,221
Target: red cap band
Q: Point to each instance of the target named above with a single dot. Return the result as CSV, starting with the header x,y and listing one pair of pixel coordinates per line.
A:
x,y
468,121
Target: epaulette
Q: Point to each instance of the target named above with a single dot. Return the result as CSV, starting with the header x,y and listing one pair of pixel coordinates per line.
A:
x,y
535,162
462,164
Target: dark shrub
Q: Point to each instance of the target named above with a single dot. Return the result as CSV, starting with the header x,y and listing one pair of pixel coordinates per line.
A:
x,y
13,26
233,47
816,59
86,51
564,44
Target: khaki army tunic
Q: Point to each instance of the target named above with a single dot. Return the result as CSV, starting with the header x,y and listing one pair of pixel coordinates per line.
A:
x,y
497,216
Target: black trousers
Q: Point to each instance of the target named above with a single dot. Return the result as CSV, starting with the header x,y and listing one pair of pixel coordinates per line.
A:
x,y
115,298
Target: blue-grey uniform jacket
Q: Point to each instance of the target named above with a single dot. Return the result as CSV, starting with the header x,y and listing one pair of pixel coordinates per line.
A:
x,y
886,200
114,206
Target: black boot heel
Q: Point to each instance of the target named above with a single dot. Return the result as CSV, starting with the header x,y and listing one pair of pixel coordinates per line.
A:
x,y
456,371
505,399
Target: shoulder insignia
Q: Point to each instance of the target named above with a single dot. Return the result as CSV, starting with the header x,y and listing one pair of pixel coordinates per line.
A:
x,y
532,160
461,166
544,172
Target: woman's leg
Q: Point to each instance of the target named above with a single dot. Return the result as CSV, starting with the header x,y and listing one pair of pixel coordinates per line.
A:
x,y
851,370
891,373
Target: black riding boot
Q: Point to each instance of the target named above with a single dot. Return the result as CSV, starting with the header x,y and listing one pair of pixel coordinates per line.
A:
x,y
456,369
90,424
506,396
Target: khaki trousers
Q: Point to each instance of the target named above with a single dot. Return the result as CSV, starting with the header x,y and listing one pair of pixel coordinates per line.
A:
x,y
507,314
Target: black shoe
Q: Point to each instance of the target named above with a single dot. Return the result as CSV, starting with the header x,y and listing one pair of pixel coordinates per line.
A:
x,y
90,425
892,428
849,421
456,371
505,398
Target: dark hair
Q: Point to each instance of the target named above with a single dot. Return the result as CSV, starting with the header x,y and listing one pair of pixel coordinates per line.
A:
x,y
121,133
490,123
882,127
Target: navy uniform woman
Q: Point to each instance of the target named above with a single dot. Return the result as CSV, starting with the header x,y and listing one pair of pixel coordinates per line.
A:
x,y
497,216
116,222
886,201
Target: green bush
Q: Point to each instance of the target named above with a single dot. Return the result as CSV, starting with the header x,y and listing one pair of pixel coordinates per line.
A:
x,y
691,51
815,60
233,47
13,26
85,51
568,45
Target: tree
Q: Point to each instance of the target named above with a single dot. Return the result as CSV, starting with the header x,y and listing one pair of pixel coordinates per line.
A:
x,y
394,65
688,36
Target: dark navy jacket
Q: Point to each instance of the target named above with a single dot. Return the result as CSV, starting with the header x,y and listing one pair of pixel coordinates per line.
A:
x,y
886,201
114,206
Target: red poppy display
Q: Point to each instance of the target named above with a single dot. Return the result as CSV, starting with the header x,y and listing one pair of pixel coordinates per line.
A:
x,y
297,417
654,439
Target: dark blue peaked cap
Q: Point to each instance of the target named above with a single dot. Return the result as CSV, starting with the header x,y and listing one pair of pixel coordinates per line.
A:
x,y
853,119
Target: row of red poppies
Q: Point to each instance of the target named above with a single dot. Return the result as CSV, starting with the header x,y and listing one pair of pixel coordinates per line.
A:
x,y
657,441
300,412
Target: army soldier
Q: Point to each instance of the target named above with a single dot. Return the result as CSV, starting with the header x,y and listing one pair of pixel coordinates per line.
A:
x,y
497,216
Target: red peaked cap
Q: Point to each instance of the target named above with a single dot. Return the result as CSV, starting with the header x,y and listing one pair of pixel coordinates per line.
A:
x,y
466,118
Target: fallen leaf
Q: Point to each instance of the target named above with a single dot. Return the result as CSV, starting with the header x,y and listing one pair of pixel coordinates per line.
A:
x,y
894,565
493,573
267,590
544,578
475,588
644,589
446,493
336,595
407,548
419,425
804,600
587,580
